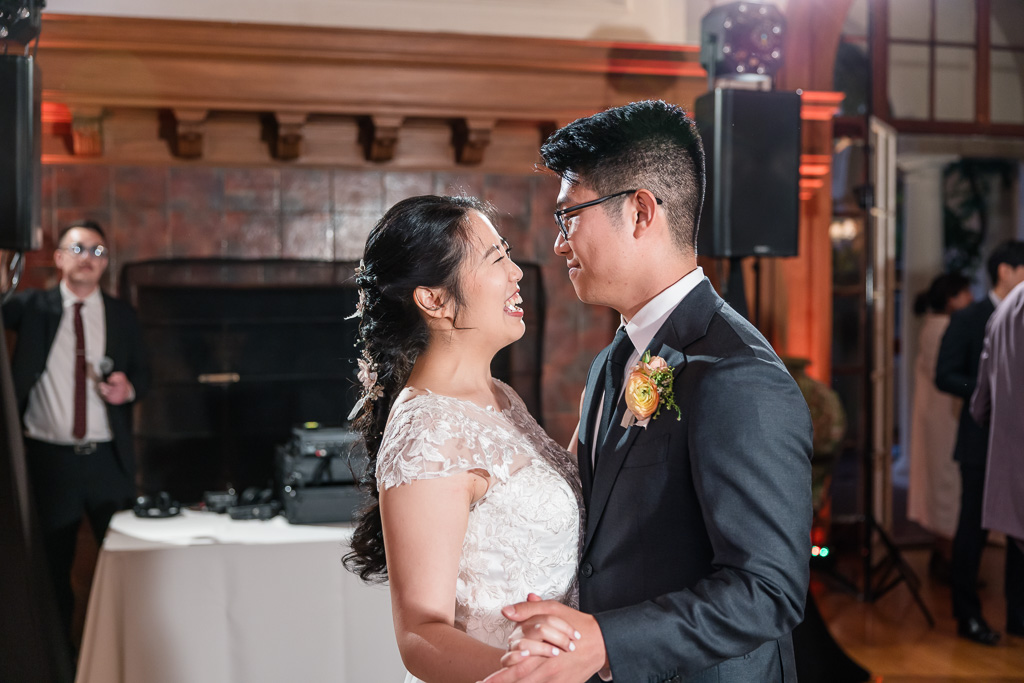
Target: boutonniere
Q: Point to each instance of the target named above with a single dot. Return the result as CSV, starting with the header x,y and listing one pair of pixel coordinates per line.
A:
x,y
648,390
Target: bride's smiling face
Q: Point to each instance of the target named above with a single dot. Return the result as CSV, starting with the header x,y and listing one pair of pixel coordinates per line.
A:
x,y
490,286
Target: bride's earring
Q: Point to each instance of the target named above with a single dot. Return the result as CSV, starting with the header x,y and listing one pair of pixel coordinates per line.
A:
x,y
430,301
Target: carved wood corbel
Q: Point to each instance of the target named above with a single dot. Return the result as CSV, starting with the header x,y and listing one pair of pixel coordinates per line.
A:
x,y
288,142
191,124
87,131
379,135
471,137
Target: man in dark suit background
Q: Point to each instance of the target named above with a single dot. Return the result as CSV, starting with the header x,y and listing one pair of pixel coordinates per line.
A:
x,y
956,372
78,366
695,558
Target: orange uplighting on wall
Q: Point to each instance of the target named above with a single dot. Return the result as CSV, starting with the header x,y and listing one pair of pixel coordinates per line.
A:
x,y
54,112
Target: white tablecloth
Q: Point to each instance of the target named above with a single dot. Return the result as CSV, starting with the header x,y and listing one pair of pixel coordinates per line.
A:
x,y
204,598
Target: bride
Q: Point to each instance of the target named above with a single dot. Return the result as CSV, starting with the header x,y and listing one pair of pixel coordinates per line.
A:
x,y
474,505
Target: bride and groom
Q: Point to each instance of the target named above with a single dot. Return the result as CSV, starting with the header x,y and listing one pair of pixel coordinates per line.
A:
x,y
670,541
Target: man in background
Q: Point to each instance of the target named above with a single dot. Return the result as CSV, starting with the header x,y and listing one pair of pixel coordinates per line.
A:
x,y
956,373
997,403
78,366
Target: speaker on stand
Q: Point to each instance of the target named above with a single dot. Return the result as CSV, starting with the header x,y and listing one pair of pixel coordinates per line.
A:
x,y
35,647
752,202
751,141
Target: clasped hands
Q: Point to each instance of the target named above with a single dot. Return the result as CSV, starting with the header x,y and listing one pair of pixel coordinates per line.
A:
x,y
552,643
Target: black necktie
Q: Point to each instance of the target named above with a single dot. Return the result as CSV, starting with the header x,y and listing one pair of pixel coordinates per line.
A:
x,y
614,368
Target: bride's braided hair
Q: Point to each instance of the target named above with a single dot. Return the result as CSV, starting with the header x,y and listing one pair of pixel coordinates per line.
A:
x,y
419,242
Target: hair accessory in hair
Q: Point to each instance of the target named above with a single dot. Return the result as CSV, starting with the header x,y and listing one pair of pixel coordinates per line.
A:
x,y
360,269
368,378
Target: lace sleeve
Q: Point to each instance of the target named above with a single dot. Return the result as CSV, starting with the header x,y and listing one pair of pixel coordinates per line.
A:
x,y
427,440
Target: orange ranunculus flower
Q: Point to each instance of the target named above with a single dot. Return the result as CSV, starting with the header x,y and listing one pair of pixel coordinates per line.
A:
x,y
641,395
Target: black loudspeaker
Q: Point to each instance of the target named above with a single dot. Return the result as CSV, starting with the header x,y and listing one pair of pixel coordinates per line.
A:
x,y
21,142
752,150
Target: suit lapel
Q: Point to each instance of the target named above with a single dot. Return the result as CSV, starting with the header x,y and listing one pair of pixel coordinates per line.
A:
x,y
108,321
687,323
54,310
609,462
588,415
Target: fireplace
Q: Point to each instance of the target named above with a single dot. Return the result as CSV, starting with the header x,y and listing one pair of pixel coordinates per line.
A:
x,y
243,351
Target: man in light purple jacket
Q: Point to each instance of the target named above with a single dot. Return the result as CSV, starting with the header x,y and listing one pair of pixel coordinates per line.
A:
x,y
998,401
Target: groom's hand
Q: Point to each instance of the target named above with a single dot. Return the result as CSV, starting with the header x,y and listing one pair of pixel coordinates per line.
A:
x,y
575,666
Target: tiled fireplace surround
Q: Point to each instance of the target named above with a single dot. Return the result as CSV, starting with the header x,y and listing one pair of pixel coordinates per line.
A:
x,y
319,214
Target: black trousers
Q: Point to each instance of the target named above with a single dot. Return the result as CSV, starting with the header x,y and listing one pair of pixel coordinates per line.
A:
x,y
968,545
66,485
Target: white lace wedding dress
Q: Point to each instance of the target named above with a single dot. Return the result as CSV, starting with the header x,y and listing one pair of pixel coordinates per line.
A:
x,y
524,534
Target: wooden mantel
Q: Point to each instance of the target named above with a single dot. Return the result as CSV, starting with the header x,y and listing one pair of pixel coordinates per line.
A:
x,y
123,62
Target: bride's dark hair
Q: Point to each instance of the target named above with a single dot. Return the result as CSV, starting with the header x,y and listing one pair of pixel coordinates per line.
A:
x,y
419,242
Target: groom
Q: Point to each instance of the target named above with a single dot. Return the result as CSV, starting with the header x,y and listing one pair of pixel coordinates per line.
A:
x,y
695,560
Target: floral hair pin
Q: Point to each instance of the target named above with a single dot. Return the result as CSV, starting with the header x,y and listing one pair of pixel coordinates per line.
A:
x,y
368,378
648,390
360,269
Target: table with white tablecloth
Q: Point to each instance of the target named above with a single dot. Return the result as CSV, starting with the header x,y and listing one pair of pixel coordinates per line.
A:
x,y
203,598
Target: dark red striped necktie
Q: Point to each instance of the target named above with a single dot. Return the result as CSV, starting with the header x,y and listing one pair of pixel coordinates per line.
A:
x,y
79,429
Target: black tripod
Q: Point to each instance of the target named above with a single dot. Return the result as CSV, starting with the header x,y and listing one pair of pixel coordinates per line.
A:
x,y
882,576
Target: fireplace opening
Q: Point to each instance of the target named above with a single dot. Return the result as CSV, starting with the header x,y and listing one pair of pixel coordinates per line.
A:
x,y
243,351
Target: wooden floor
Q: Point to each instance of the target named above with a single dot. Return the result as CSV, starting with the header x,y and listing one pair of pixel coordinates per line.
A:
x,y
892,639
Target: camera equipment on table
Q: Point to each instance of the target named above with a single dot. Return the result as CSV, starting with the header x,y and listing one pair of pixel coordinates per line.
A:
x,y
220,501
157,506
317,471
255,503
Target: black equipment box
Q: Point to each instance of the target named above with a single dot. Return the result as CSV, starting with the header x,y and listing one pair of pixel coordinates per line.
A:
x,y
317,471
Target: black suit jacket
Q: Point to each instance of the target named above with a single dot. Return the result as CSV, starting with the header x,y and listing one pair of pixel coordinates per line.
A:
x,y
956,372
35,315
696,556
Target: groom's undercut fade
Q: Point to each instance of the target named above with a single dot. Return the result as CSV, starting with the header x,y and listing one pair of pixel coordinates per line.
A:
x,y
649,145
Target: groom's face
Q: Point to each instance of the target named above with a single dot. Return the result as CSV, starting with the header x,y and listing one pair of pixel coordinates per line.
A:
x,y
596,251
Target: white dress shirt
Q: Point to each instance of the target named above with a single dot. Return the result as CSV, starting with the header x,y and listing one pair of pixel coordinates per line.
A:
x,y
50,415
644,325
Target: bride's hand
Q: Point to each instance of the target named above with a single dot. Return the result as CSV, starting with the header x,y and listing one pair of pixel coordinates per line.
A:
x,y
541,636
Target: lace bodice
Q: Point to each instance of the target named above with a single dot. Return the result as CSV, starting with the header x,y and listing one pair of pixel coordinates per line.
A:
x,y
523,535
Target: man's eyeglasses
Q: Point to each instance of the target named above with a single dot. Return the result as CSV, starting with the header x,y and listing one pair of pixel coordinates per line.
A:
x,y
561,213
81,251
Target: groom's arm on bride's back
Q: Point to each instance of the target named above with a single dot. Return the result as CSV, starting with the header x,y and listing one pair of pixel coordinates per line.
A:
x,y
748,439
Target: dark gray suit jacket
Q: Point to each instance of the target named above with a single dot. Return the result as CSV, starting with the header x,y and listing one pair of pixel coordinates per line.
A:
x,y
696,556
35,315
956,372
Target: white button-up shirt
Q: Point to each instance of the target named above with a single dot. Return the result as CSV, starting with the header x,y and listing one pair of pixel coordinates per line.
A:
x,y
50,415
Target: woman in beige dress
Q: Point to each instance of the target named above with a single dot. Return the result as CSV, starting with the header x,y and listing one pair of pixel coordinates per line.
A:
x,y
933,495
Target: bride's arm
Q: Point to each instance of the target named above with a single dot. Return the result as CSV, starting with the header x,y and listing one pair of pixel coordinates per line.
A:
x,y
424,527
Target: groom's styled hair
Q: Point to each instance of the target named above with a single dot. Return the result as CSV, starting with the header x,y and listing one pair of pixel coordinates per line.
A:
x,y
649,145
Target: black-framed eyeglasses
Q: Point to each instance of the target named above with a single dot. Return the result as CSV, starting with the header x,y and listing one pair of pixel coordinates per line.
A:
x,y
559,215
81,251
